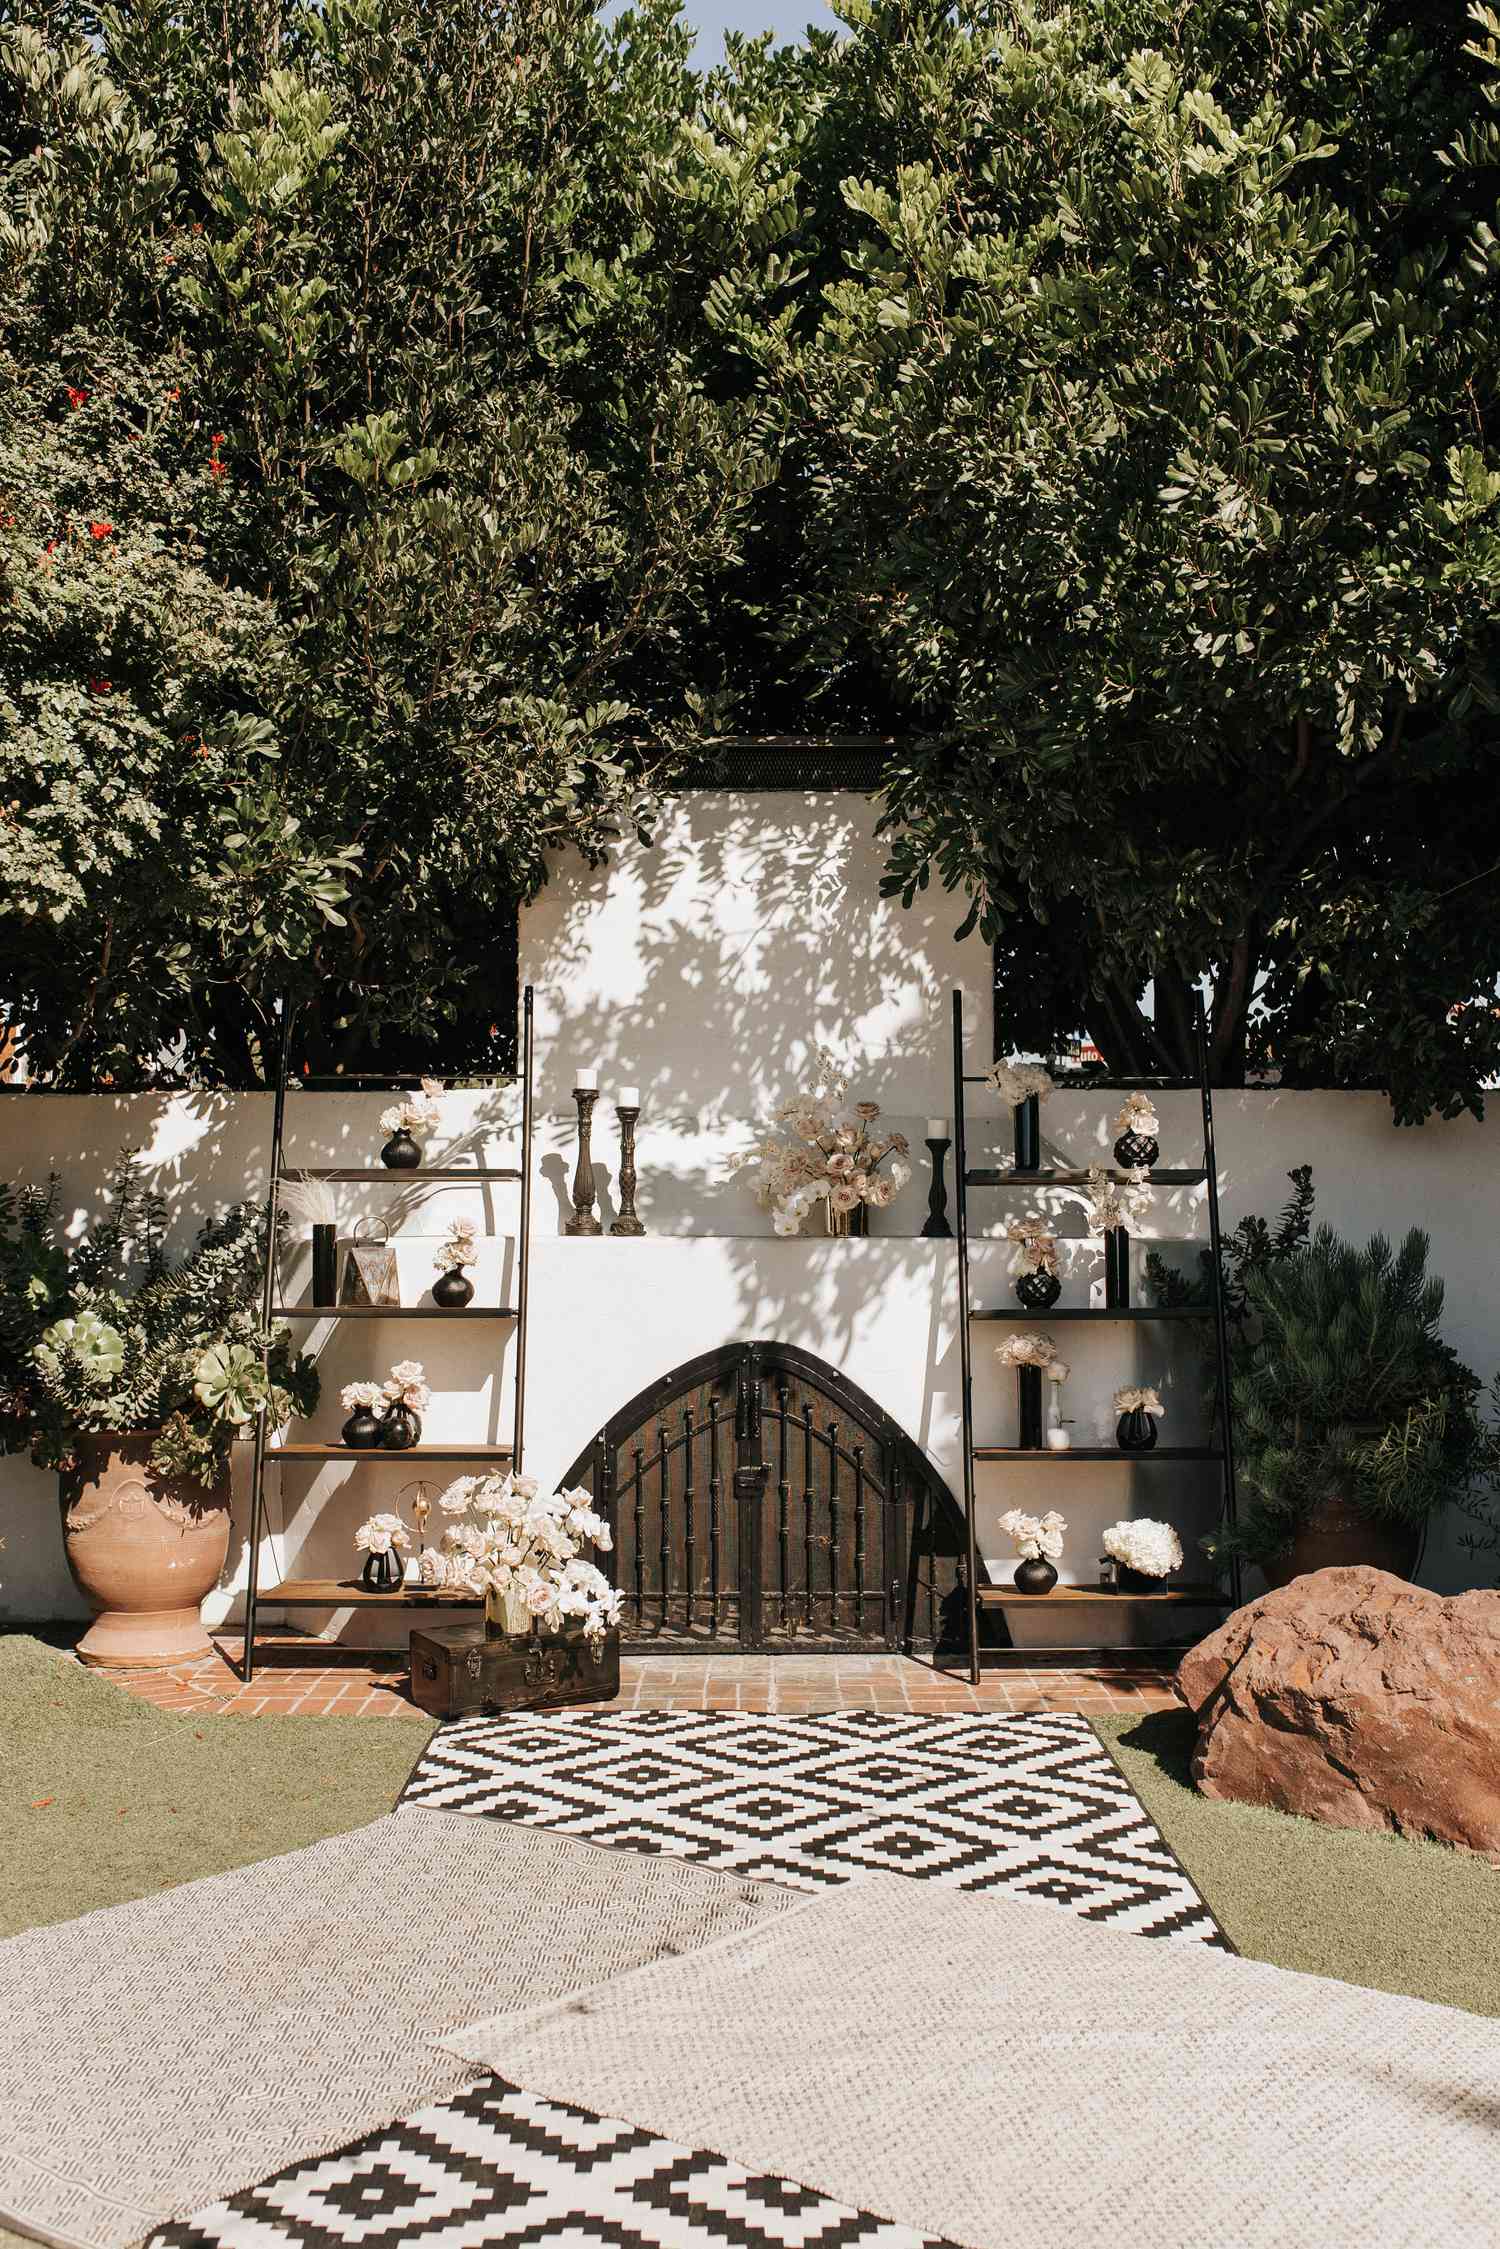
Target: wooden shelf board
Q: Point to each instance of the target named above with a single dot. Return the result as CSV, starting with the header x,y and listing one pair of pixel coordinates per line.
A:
x,y
995,1176
337,1451
415,1178
335,1593
393,1312
1018,1312
1006,1597
1116,1453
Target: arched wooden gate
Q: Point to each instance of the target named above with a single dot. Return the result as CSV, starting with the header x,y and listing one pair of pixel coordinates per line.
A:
x,y
760,1501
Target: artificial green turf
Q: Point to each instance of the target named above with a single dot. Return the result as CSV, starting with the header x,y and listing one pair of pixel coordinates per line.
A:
x,y
1367,1909
104,1798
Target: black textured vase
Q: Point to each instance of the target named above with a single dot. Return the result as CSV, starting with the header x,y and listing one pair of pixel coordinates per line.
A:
x,y
401,1152
1035,1576
400,1429
362,1431
1117,1269
1135,1431
325,1265
453,1290
382,1573
1038,1291
1135,1151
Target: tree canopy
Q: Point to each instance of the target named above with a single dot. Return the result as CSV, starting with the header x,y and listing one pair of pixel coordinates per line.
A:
x,y
487,408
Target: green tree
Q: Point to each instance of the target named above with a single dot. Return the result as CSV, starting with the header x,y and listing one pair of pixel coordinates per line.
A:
x,y
434,277
1150,468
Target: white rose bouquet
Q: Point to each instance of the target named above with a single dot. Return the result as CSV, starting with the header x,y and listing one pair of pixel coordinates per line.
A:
x,y
459,1248
383,1534
1133,1399
1038,1538
1036,1246
507,1536
825,1150
417,1112
1137,1114
1027,1350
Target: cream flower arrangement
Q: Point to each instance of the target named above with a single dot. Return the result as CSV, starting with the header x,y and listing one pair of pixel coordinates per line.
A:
x,y
509,1537
1026,1350
1137,1115
418,1112
406,1385
1016,1082
1152,1549
1037,1538
362,1395
1116,1202
1035,1246
1133,1399
825,1150
459,1247
383,1534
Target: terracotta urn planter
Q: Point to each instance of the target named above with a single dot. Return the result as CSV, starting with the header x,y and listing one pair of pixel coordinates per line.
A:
x,y
1340,1536
144,1549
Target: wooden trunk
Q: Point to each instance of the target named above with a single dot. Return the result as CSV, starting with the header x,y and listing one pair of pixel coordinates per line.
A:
x,y
456,1670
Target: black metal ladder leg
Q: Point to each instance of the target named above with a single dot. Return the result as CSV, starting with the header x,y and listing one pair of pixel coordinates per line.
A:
x,y
1221,1314
965,1353
268,1298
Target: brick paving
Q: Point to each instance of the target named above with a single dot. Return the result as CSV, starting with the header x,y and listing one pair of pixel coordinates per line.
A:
x,y
310,1680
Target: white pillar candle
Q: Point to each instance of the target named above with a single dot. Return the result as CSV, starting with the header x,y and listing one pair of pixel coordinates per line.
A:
x,y
629,1097
937,1128
586,1081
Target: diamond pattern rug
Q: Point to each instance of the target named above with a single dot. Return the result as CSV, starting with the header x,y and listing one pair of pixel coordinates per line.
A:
x,y
1031,1804
496,2165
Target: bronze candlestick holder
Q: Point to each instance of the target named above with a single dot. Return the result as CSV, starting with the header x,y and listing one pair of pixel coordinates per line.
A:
x,y
627,1222
584,1220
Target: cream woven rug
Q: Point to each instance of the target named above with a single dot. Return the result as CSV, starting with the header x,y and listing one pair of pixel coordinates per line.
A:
x,y
159,2054
1004,2075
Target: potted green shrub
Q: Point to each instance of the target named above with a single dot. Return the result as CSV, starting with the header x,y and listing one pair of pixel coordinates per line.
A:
x,y
1354,1420
133,1375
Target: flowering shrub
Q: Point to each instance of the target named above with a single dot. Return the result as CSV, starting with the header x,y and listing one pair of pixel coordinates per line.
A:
x,y
827,1151
106,1333
1152,1548
1038,1538
506,1535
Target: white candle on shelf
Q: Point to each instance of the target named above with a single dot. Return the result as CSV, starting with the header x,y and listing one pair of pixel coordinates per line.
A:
x,y
586,1081
937,1128
629,1097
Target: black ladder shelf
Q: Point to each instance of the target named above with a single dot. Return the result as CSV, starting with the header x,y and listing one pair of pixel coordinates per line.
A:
x,y
1002,1597
328,1593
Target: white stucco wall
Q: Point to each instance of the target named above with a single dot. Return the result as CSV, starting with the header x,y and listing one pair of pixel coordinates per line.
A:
x,y
701,970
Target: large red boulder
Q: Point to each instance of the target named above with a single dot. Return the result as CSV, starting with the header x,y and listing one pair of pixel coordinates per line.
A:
x,y
1352,1697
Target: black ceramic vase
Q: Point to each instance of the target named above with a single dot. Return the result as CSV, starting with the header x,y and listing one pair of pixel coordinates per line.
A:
x,y
1136,1581
1029,1408
401,1152
453,1290
1136,1151
1038,1291
325,1265
362,1431
1027,1118
1135,1431
382,1573
1035,1576
400,1429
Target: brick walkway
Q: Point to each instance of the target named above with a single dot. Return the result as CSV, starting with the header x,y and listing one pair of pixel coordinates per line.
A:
x,y
302,1680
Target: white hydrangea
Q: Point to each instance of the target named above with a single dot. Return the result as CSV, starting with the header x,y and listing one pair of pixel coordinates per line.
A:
x,y
1152,1548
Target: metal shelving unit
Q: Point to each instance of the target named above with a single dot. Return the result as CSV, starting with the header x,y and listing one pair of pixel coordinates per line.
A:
x,y
328,1592
991,1176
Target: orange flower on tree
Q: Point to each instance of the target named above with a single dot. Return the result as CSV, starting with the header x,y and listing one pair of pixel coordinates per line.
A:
x,y
101,530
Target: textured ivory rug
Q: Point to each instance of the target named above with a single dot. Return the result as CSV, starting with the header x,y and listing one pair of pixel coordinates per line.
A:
x,y
1026,1805
1005,2076
161,2053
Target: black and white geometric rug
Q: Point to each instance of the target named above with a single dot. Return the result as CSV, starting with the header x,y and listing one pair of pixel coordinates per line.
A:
x,y
1027,1804
495,2165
